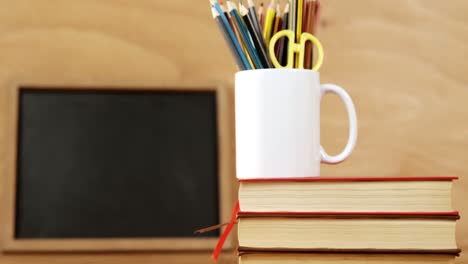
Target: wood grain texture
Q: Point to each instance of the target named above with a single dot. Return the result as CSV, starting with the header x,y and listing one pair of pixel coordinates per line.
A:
x,y
401,61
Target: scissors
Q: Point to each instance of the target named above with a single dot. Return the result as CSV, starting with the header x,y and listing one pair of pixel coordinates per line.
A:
x,y
295,48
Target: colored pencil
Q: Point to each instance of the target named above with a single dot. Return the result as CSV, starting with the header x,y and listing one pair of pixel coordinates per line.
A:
x,y
223,7
241,40
278,20
236,30
259,29
292,21
299,6
261,16
228,39
231,35
253,16
309,47
292,16
248,31
304,12
255,58
277,27
317,16
269,20
229,18
282,53
244,35
257,38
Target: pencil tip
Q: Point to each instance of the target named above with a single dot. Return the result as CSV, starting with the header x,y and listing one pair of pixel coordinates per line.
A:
x,y
243,10
272,4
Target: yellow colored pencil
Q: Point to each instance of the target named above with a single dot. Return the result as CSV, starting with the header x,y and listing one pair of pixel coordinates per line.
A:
x,y
300,5
269,20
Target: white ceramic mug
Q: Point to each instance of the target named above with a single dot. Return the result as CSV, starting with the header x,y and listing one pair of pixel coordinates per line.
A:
x,y
278,123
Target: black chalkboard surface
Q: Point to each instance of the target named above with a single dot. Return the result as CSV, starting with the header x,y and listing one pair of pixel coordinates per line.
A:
x,y
116,164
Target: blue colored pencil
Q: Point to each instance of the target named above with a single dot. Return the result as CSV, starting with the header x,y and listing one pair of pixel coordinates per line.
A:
x,y
226,37
245,35
231,34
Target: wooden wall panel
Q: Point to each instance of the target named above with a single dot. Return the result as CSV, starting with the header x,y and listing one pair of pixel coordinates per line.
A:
x,y
402,62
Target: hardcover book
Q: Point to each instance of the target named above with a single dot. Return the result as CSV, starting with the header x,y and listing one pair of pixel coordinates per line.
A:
x,y
373,195
309,232
353,258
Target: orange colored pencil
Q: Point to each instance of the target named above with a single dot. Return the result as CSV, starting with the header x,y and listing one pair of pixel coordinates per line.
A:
x,y
278,20
304,11
316,16
261,16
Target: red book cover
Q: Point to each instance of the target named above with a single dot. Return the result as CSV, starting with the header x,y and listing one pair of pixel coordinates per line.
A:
x,y
407,215
343,179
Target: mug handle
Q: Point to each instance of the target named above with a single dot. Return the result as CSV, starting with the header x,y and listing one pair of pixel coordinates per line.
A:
x,y
352,138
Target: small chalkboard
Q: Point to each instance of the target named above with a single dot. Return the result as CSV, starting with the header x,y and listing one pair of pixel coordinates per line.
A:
x,y
110,165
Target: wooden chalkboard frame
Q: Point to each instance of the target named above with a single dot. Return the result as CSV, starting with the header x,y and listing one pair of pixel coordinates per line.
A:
x,y
227,184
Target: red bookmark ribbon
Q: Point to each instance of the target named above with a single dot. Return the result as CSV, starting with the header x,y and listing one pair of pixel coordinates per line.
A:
x,y
223,237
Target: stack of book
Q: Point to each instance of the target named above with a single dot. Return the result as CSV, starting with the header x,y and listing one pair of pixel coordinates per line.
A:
x,y
347,220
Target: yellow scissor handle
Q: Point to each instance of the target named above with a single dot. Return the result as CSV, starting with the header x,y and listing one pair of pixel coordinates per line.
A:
x,y
289,34
309,37
294,47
